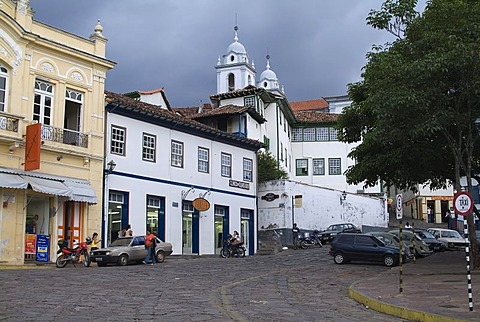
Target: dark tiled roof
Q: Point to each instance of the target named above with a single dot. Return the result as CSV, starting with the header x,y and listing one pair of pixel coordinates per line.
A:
x,y
191,111
316,104
229,109
137,95
315,117
249,90
123,105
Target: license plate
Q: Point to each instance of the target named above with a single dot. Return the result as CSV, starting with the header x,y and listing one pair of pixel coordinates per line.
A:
x,y
98,259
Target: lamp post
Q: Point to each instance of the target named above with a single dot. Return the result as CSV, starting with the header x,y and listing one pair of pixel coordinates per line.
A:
x,y
110,167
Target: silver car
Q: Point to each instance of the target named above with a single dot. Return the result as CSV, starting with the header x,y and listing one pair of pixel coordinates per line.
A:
x,y
129,250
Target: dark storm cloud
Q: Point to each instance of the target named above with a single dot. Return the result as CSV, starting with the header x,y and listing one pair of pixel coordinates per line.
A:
x,y
317,47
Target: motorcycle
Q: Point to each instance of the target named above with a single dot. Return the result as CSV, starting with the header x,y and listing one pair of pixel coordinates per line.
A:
x,y
310,240
229,250
73,255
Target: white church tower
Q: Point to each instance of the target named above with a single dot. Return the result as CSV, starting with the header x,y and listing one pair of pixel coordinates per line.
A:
x,y
268,79
235,71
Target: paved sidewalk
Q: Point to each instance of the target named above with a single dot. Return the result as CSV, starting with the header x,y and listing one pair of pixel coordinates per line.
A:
x,y
434,289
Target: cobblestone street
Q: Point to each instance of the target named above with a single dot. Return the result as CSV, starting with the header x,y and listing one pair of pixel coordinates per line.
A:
x,y
302,285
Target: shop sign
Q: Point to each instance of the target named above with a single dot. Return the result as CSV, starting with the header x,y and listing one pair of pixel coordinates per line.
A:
x,y
239,184
30,243
201,204
449,198
42,248
270,197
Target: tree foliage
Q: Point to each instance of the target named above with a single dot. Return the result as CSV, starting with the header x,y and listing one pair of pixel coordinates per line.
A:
x,y
416,105
269,168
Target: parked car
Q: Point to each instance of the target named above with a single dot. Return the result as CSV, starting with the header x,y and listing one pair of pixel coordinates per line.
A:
x,y
392,240
452,238
419,248
434,244
126,250
362,247
332,231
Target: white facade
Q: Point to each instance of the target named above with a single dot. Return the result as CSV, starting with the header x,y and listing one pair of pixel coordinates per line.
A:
x,y
157,193
317,208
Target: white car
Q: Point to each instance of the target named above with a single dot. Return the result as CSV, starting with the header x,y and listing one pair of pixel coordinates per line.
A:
x,y
452,238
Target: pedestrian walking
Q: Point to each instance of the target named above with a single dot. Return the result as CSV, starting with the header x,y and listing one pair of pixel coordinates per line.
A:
x,y
150,244
295,232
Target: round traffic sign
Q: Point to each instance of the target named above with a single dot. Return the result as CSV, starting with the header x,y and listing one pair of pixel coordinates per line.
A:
x,y
463,203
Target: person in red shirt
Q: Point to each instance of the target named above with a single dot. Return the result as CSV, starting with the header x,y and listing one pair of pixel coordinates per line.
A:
x,y
150,244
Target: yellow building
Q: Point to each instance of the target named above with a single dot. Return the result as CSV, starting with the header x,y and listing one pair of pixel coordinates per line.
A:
x,y
55,79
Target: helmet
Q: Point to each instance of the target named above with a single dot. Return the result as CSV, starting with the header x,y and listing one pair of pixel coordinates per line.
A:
x,y
89,240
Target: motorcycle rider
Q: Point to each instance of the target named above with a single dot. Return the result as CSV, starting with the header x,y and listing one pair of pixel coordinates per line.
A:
x,y
235,241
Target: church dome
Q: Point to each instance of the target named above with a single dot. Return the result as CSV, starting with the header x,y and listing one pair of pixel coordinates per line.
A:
x,y
237,48
268,73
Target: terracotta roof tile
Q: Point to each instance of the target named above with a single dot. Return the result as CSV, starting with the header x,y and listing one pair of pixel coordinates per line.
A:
x,y
316,104
315,117
123,102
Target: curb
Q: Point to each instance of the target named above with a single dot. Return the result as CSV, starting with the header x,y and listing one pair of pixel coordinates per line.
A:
x,y
397,311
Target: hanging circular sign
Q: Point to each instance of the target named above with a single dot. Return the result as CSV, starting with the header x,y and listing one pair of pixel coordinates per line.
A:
x,y
463,203
201,204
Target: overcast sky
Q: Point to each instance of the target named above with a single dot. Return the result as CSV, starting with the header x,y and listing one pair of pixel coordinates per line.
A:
x,y
316,47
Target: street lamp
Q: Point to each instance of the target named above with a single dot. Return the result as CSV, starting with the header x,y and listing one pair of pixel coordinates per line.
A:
x,y
343,197
110,167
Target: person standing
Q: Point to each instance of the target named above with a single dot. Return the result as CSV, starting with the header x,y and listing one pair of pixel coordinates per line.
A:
x,y
150,244
295,232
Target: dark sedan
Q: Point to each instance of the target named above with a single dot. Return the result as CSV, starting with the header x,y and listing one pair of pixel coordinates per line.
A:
x,y
364,248
431,241
125,250
332,231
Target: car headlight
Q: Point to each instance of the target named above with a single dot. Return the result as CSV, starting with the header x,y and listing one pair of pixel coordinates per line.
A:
x,y
107,253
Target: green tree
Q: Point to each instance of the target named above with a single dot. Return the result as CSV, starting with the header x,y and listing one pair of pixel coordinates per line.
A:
x,y
416,106
269,168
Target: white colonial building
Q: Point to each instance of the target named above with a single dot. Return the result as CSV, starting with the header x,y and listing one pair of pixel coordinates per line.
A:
x,y
164,164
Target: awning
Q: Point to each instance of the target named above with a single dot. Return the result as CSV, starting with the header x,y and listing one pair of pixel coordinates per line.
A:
x,y
81,191
10,180
48,186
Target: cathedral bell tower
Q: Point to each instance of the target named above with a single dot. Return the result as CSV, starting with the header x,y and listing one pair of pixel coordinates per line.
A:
x,y
234,71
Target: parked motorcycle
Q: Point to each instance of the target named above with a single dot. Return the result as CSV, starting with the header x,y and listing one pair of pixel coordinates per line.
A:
x,y
74,255
229,250
310,240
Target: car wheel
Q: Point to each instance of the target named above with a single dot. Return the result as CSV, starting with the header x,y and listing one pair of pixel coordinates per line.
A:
x,y
123,260
388,260
160,256
339,258
101,264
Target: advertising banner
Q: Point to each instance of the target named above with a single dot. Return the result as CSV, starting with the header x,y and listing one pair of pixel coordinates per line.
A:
x,y
30,243
42,248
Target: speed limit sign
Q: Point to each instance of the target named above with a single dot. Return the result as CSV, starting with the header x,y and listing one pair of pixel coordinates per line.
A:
x,y
463,203
399,206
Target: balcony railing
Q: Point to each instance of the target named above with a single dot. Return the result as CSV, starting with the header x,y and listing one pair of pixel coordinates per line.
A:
x,y
66,136
9,123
